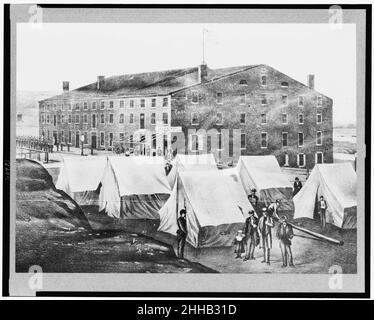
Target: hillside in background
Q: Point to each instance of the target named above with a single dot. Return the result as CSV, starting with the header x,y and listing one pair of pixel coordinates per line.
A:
x,y
27,123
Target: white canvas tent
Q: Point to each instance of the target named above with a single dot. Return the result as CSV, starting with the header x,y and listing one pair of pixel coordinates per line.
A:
x,y
191,162
79,177
337,183
134,187
212,202
264,174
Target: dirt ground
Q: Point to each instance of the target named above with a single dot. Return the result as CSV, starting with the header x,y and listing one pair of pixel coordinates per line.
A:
x,y
95,251
310,255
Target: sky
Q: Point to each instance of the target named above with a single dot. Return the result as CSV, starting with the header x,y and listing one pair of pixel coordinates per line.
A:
x,y
79,52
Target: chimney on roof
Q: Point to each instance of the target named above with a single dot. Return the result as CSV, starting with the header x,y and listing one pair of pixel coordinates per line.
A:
x,y
65,86
203,72
311,81
100,81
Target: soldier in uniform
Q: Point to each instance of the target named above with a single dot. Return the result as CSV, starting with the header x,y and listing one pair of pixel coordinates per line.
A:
x,y
265,224
251,235
285,234
181,232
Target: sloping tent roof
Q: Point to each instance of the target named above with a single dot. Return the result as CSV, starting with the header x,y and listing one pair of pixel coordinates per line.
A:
x,y
80,175
137,179
212,200
192,162
264,174
338,184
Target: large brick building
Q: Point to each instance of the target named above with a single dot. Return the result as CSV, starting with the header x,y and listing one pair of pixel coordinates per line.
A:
x,y
230,112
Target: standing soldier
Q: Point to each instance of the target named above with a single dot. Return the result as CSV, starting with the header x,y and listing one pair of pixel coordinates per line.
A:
x,y
296,186
322,206
285,234
181,232
273,209
265,224
251,235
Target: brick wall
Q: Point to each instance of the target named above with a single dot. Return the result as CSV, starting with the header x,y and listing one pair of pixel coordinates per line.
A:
x,y
106,128
183,108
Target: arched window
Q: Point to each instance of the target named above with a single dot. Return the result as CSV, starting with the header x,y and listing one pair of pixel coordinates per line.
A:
x,y
284,84
243,82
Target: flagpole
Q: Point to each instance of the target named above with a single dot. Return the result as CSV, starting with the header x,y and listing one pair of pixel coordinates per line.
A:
x,y
203,46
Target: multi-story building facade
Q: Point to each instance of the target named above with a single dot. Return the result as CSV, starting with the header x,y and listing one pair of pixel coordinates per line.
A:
x,y
248,110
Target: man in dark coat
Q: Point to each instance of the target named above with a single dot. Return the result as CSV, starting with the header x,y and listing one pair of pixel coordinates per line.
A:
x,y
296,186
322,207
181,232
265,224
251,235
285,234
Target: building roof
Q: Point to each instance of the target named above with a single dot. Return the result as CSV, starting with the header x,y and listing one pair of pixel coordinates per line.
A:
x,y
155,83
146,84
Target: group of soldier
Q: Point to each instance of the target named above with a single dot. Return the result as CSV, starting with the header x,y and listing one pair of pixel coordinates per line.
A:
x,y
258,230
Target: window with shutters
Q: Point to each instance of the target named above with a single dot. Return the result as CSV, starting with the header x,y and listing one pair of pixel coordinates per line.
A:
x,y
264,140
243,141
195,119
284,139
319,138
153,118
284,118
219,97
121,118
219,118
242,118
195,97
300,139
301,118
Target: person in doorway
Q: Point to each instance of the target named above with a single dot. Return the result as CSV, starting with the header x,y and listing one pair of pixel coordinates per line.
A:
x,y
273,209
285,234
181,232
159,151
253,199
322,207
296,186
265,224
251,236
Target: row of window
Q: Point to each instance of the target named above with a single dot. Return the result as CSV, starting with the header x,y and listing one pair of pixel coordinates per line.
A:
x,y
57,119
301,159
94,105
74,138
263,98
263,82
264,139
196,143
284,118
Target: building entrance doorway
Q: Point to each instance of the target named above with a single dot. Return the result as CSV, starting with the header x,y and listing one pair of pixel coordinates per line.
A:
x,y
93,140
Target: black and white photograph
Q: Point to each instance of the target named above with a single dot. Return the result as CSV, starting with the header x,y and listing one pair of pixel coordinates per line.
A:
x,y
193,150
